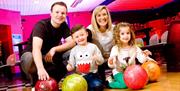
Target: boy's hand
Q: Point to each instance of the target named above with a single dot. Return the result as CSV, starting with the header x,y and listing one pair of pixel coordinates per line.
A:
x,y
69,67
96,59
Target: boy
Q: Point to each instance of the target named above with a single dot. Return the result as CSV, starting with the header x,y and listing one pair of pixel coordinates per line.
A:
x,y
85,58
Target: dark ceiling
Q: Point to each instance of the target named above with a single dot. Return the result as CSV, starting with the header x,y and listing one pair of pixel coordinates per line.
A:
x,y
142,16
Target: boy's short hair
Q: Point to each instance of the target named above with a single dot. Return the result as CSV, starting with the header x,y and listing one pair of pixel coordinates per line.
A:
x,y
76,28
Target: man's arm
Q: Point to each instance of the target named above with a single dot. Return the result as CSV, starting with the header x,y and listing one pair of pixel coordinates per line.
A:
x,y
37,55
66,46
60,48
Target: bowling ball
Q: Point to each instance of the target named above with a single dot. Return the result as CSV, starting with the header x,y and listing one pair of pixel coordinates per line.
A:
x,y
74,82
152,69
135,77
46,85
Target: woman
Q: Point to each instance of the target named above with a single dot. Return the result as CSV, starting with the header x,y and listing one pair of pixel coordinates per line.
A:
x,y
102,30
102,34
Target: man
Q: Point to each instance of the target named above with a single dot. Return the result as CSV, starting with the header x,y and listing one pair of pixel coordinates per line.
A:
x,y
42,57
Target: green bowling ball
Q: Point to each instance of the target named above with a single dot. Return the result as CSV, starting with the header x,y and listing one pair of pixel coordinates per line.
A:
x,y
74,82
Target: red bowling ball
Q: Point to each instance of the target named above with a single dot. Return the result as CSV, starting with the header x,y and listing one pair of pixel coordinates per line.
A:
x,y
46,85
135,77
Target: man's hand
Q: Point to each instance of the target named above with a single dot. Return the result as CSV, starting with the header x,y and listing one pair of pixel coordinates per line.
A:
x,y
42,74
48,57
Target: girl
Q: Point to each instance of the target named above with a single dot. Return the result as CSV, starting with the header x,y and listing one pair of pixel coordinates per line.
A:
x,y
123,53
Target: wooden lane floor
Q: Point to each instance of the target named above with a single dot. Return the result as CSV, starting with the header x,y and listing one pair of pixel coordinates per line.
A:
x,y
169,81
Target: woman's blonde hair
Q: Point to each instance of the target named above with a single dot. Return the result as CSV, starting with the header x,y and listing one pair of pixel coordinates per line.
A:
x,y
94,23
117,34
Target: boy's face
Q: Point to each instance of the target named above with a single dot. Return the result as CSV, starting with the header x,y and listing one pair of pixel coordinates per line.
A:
x,y
80,37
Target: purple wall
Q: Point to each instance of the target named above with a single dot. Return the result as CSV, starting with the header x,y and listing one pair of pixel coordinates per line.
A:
x,y
12,18
83,18
28,23
74,18
24,27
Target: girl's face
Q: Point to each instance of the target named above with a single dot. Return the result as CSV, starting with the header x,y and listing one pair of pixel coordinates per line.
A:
x,y
80,37
102,18
125,34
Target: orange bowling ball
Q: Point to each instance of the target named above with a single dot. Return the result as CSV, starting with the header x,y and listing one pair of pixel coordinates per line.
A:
x,y
152,69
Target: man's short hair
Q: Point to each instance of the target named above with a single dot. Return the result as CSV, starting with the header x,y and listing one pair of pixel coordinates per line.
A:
x,y
58,3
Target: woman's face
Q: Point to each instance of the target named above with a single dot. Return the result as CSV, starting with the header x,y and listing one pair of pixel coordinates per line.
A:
x,y
125,35
102,18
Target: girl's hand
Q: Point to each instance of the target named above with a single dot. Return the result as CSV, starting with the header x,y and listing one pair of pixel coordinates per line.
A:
x,y
150,59
147,52
110,62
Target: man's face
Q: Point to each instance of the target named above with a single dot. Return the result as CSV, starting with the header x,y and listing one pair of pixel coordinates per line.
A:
x,y
58,14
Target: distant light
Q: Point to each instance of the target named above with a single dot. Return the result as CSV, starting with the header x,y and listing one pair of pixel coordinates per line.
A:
x,y
36,1
75,3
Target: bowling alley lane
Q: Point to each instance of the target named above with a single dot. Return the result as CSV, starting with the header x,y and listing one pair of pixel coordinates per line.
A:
x,y
168,81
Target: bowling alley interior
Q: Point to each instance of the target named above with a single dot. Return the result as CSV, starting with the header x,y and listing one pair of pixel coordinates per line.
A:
x,y
156,24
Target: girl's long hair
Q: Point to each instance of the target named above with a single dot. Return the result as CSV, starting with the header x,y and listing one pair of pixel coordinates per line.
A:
x,y
117,36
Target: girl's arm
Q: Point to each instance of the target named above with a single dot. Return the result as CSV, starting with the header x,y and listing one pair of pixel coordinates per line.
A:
x,y
142,56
